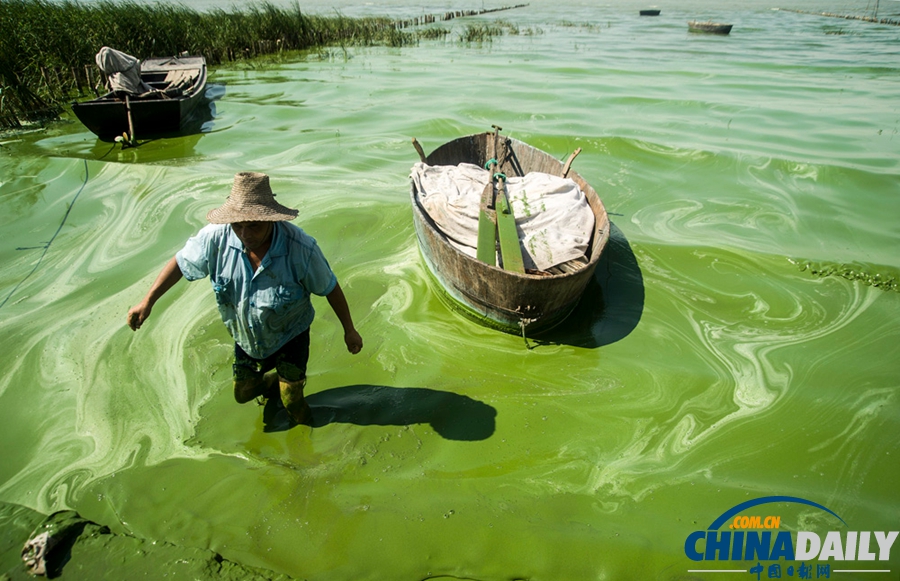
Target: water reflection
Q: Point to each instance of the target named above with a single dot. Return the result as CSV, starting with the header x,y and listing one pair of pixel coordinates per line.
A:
x,y
453,416
203,117
199,121
150,150
612,303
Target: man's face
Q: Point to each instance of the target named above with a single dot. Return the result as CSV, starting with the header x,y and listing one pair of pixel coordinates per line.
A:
x,y
253,234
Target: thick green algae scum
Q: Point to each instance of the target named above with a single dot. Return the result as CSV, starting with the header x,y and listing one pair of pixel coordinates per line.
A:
x,y
708,364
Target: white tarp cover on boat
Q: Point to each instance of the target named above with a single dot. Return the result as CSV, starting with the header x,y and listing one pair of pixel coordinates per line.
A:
x,y
552,214
123,70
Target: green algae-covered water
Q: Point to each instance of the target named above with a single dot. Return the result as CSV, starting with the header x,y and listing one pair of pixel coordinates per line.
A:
x,y
740,340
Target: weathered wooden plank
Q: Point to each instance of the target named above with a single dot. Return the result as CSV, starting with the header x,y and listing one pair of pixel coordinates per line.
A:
x,y
486,251
487,228
510,250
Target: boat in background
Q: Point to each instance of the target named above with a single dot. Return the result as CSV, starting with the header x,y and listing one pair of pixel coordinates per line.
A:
x,y
709,26
176,86
650,12
528,302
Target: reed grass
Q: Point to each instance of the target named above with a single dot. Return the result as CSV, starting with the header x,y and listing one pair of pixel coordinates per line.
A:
x,y
513,29
47,48
433,33
480,33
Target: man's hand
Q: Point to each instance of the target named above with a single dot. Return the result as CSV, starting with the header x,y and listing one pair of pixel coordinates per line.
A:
x,y
339,304
169,276
137,315
354,341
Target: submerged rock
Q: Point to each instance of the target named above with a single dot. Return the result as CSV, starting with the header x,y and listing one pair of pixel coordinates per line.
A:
x,y
47,549
66,546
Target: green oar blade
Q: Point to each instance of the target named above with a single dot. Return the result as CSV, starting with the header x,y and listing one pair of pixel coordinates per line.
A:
x,y
487,239
509,236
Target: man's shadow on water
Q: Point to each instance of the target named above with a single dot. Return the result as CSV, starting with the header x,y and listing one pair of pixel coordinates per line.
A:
x,y
453,416
611,305
609,310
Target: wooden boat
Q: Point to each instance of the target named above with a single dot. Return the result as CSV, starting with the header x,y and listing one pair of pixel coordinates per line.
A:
x,y
523,303
709,26
650,12
178,84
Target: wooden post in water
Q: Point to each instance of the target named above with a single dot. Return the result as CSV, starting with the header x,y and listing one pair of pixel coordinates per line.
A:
x,y
131,134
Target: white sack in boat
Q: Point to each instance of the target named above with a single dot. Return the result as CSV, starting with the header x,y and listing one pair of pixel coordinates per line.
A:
x,y
552,214
123,70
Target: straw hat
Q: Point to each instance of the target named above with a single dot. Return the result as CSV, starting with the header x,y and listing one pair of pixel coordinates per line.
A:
x,y
251,200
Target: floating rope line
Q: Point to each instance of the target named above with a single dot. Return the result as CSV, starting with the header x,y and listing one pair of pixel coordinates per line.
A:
x,y
847,16
46,246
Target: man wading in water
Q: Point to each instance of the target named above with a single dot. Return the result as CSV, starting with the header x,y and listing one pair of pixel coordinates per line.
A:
x,y
263,270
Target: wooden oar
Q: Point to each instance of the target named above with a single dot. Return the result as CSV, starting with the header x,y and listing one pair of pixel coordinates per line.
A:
x,y
510,250
486,250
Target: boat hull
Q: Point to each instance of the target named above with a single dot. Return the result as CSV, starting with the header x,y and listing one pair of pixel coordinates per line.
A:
x,y
107,116
709,27
504,300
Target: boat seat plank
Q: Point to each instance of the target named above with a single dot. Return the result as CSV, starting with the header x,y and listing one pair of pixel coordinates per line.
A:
x,y
181,77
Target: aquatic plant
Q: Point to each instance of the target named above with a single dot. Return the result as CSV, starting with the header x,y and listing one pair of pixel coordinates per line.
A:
x,y
531,31
48,46
48,57
884,277
480,33
432,33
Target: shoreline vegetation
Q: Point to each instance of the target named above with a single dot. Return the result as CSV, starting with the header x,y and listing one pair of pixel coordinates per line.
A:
x,y
47,53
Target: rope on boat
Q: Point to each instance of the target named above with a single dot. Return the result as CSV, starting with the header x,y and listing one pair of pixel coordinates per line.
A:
x,y
522,324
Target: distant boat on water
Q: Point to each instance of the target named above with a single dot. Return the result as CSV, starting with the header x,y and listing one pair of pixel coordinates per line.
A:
x,y
650,12
709,26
